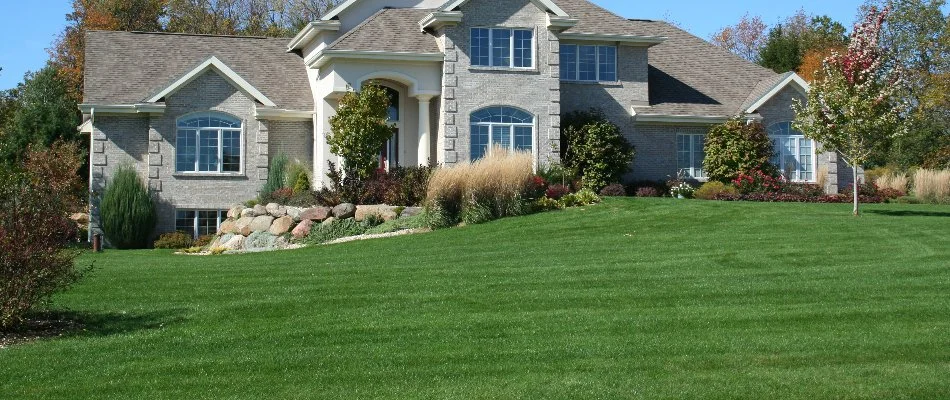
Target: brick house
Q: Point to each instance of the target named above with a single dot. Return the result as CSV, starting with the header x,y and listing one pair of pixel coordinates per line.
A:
x,y
199,116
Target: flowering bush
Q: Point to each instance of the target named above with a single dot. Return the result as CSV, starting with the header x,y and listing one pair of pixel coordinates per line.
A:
x,y
757,181
682,189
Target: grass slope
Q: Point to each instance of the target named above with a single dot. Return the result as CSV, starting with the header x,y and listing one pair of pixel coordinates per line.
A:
x,y
632,298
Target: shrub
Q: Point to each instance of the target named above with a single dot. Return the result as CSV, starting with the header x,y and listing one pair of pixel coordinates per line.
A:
x,y
126,210
557,191
547,204
276,175
932,185
758,181
279,196
736,147
359,129
298,178
174,240
499,183
613,190
711,190
57,168
586,197
335,230
647,191
682,189
595,149
555,172
203,240
410,185
343,188
35,261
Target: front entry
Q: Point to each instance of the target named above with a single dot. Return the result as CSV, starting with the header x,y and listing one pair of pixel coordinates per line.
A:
x,y
389,154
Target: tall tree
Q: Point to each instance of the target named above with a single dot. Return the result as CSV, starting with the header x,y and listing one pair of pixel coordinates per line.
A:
x,y
745,38
43,113
783,50
799,36
360,129
857,103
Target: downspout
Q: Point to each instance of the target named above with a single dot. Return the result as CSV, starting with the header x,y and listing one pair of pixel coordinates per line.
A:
x,y
92,135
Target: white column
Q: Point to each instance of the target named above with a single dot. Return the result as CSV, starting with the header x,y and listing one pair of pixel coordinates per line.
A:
x,y
424,153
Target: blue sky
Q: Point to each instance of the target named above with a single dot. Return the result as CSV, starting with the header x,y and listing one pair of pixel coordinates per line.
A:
x,y
28,27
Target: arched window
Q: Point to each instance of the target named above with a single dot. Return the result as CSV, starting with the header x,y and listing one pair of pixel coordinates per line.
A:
x,y
208,143
794,153
506,127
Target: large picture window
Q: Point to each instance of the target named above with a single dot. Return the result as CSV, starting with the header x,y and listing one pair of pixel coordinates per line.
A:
x,y
208,143
507,127
690,154
510,48
199,222
794,153
588,63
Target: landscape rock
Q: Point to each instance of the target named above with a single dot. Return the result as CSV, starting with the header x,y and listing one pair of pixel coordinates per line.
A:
x,y
387,213
235,242
303,229
294,212
281,225
410,212
241,224
227,226
260,241
328,221
247,212
344,211
260,210
276,210
235,212
259,224
316,213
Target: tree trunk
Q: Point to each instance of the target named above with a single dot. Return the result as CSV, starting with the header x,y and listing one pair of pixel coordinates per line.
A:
x,y
856,189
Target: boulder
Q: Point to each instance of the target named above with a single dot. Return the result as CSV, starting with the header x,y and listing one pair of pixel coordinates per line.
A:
x,y
294,212
316,213
281,225
344,211
281,243
260,210
328,221
241,224
276,210
387,213
260,241
410,212
236,242
235,212
303,229
259,224
247,212
227,226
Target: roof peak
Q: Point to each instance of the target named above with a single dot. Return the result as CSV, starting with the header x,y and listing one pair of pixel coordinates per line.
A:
x,y
185,34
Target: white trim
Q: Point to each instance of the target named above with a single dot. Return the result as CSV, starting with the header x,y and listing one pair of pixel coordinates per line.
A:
x,y
625,39
223,70
138,108
800,84
333,12
278,114
681,119
691,172
540,3
311,31
562,23
440,18
85,127
322,58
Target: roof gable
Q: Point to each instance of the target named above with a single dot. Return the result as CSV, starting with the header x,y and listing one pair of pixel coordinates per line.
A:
x,y
546,5
213,64
757,100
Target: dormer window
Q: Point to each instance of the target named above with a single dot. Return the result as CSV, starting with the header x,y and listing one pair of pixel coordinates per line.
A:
x,y
502,47
588,63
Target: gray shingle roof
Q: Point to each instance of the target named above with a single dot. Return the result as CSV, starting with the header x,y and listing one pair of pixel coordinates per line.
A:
x,y
127,67
390,29
689,76
592,18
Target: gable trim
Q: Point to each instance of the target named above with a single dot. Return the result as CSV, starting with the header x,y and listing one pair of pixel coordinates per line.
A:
x,y
219,67
624,39
322,58
792,79
545,4
335,11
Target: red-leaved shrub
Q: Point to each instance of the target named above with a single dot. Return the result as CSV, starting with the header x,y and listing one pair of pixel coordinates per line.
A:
x,y
555,192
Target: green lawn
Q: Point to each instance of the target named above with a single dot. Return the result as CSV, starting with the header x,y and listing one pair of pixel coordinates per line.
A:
x,y
633,298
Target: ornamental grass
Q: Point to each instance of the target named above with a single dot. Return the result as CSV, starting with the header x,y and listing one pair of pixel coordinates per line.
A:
x,y
932,185
893,180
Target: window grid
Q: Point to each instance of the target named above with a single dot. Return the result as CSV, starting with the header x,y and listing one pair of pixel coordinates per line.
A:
x,y
588,63
208,143
199,222
502,47
690,154
794,153
507,127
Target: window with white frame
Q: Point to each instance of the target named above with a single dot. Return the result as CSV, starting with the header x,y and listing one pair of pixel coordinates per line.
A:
x,y
507,127
208,143
690,153
588,63
509,48
199,222
794,153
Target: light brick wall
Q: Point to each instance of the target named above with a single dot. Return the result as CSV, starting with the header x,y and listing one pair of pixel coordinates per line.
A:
x,y
656,150
293,139
116,141
467,89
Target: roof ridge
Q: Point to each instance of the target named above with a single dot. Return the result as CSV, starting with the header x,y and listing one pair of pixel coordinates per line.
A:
x,y
184,34
356,28
717,48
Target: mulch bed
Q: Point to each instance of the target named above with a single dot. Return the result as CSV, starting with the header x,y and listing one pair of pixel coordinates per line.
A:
x,y
43,326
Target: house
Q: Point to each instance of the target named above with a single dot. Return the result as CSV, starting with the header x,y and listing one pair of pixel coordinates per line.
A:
x,y
199,116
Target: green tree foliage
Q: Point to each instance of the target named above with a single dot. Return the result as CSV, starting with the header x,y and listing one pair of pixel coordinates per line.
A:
x,y
782,51
594,149
858,101
39,111
126,210
789,42
360,130
736,147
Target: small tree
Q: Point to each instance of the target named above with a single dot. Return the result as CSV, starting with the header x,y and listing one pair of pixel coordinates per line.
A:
x,y
595,149
856,104
276,175
736,147
126,212
360,130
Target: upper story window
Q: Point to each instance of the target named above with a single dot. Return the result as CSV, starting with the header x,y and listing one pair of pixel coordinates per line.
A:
x,y
690,154
588,63
208,142
502,47
507,127
794,153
